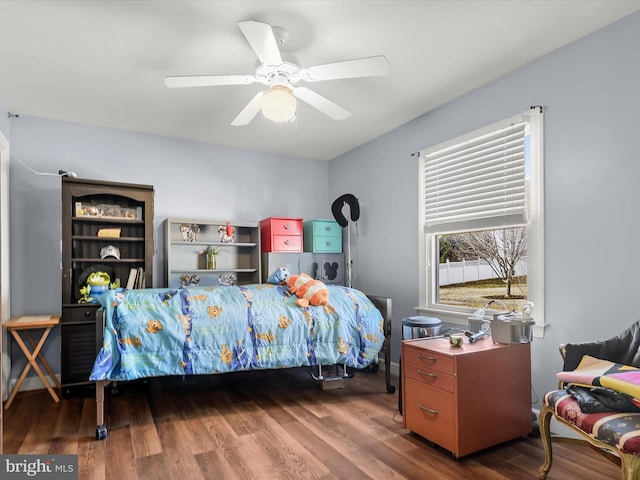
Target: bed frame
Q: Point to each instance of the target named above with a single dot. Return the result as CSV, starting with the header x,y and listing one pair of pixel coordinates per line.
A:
x,y
383,304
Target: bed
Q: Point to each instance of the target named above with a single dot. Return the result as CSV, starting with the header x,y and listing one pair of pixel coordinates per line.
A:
x,y
213,330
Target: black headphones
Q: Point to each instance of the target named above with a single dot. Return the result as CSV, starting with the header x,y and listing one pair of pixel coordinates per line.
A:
x,y
354,207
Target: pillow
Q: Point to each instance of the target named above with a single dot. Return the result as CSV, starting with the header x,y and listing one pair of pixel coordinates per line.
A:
x,y
588,371
596,372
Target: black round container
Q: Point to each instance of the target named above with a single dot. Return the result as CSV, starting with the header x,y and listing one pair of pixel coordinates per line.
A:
x,y
420,327
417,327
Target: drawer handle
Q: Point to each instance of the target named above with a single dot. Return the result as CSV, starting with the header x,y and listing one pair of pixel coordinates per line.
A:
x,y
429,410
286,242
424,357
426,374
328,243
327,228
87,314
286,227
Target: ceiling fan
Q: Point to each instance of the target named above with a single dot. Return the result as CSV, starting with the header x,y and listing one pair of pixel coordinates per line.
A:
x,y
281,72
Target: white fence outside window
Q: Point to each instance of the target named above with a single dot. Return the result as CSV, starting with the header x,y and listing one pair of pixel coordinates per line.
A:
x,y
471,271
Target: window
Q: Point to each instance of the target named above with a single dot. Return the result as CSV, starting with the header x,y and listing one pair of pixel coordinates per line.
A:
x,y
481,226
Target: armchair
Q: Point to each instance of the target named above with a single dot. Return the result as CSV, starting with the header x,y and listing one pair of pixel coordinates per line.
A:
x,y
614,434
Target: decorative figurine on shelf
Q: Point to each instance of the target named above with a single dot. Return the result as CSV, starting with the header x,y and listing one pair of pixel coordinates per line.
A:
x,y
229,280
189,232
227,234
97,284
189,281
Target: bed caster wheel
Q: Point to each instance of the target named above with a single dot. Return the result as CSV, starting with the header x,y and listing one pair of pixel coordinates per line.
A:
x,y
101,432
374,367
391,388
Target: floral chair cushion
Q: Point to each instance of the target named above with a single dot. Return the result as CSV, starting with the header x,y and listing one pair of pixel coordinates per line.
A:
x,y
618,429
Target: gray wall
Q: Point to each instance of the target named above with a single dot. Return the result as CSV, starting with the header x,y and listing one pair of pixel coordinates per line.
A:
x,y
4,120
5,361
591,94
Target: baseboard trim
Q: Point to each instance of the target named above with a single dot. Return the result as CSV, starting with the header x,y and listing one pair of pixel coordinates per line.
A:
x,y
395,369
394,366
31,383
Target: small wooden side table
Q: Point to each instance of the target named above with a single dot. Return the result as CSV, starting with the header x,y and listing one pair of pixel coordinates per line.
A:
x,y
24,324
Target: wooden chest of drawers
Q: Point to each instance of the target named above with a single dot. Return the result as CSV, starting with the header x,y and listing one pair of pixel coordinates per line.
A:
x,y
322,236
469,398
279,234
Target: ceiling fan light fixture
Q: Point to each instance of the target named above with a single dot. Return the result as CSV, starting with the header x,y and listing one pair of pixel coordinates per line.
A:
x,y
280,72
279,104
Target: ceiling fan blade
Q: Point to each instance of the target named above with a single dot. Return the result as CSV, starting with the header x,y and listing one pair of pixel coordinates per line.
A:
x,y
248,112
260,37
208,80
361,67
323,104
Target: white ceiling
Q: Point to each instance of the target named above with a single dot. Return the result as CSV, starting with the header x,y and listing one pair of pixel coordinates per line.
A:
x,y
103,62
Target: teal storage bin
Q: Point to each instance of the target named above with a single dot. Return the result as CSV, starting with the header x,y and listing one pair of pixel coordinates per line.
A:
x,y
322,236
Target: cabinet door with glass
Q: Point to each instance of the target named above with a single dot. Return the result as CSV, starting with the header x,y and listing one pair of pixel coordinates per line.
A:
x,y
206,252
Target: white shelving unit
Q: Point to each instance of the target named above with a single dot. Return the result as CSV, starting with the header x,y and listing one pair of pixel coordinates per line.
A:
x,y
241,257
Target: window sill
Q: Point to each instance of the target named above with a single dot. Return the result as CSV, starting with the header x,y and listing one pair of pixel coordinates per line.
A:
x,y
461,319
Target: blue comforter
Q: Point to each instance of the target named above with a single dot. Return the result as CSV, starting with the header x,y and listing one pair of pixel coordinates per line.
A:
x,y
204,330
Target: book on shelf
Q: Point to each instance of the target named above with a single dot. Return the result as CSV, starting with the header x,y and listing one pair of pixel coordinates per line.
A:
x,y
131,282
109,232
140,278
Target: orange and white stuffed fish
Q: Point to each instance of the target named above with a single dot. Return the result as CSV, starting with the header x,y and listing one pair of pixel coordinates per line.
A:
x,y
308,290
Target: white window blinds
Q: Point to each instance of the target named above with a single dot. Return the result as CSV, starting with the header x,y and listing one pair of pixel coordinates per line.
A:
x,y
477,181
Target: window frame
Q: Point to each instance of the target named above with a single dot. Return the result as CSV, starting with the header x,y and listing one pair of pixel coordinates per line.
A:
x,y
428,258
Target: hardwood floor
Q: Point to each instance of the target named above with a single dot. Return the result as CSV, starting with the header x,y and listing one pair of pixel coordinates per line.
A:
x,y
265,425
